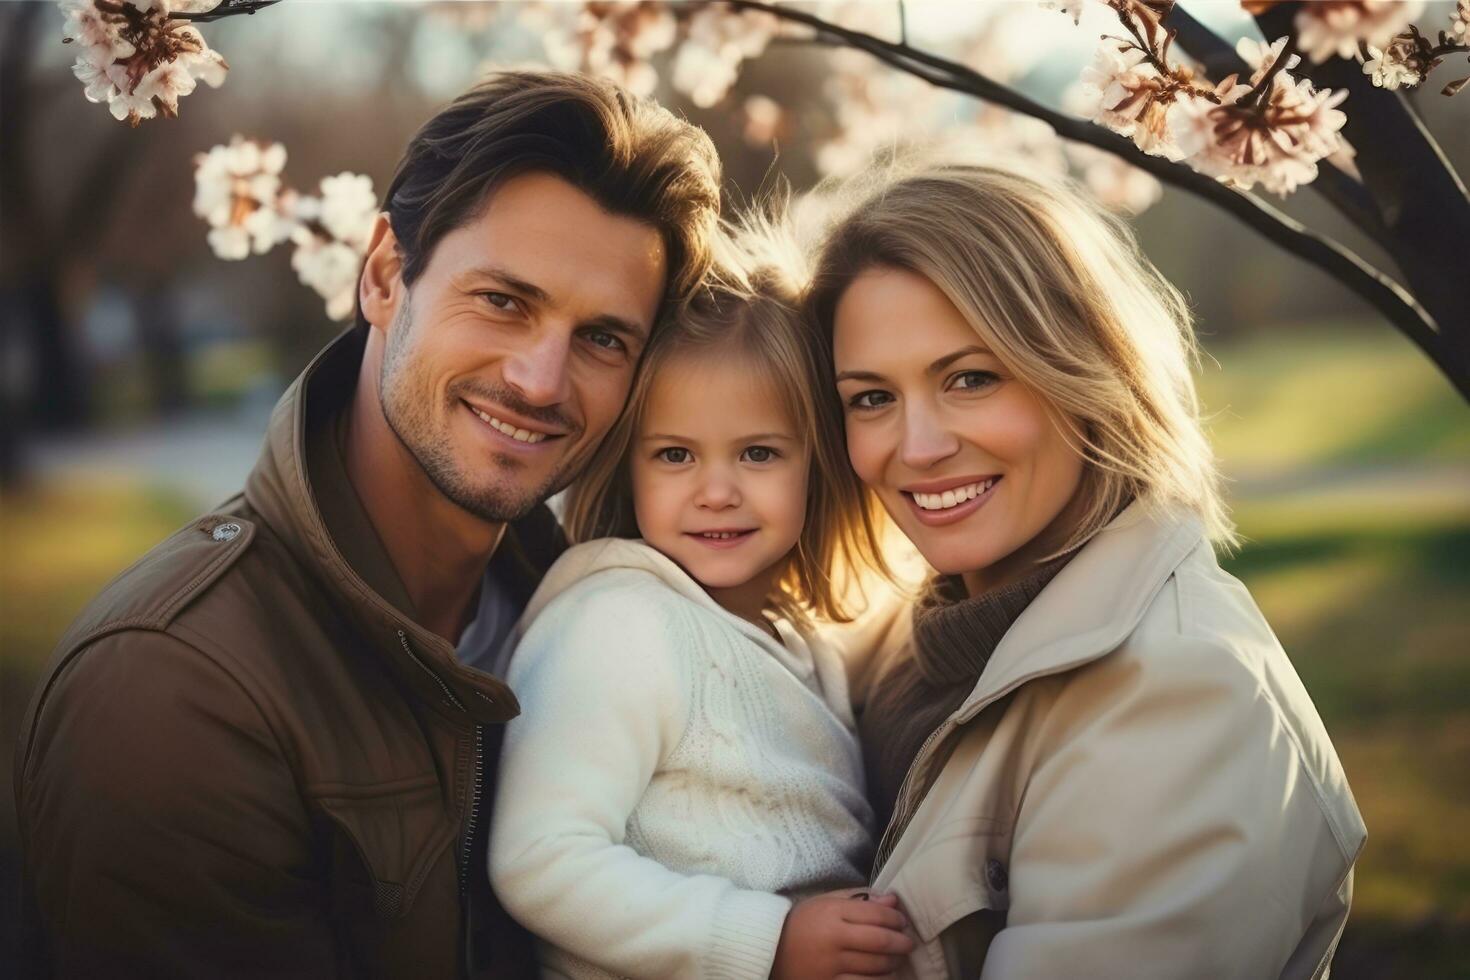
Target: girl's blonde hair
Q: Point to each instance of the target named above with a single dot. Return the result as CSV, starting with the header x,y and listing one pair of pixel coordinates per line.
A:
x,y
749,314
1060,292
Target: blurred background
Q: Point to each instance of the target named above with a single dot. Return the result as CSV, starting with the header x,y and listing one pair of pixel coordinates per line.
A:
x,y
137,368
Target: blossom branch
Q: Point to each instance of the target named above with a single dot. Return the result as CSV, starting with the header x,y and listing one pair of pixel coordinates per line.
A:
x,y
226,8
1380,290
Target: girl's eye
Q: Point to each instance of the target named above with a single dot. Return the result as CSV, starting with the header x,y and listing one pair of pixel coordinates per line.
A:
x,y
501,301
869,400
673,454
974,380
759,454
606,340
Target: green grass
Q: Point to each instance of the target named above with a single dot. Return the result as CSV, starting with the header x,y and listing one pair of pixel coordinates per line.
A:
x,y
1351,457
1302,398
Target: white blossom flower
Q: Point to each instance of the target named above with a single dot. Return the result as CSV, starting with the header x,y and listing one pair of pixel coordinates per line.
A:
x,y
1276,144
1460,22
1127,94
136,58
1392,68
1334,27
231,242
1072,8
348,207
268,228
330,268
763,119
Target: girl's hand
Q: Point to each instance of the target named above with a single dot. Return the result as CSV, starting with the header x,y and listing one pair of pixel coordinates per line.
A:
x,y
838,935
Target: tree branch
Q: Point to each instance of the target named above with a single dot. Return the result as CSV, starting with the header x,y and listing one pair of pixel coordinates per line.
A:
x,y
226,8
1388,297
1348,196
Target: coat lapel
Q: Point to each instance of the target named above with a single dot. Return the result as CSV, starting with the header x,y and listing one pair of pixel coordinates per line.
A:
x,y
1092,605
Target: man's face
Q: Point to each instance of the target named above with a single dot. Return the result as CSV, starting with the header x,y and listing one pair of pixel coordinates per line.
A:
x,y
513,353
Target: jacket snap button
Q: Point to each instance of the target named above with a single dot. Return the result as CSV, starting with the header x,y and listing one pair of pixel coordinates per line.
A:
x,y
995,874
225,532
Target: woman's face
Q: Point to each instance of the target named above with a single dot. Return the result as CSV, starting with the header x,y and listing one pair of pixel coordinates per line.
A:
x,y
965,457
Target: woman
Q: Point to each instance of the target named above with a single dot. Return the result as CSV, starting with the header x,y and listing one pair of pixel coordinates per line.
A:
x,y
1093,755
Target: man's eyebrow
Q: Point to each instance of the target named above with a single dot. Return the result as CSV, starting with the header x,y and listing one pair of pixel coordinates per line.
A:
x,y
510,281
530,290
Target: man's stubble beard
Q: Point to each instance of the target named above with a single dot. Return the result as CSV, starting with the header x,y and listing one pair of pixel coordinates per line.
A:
x,y
411,421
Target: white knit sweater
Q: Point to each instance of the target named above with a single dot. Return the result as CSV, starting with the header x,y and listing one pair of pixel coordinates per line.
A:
x,y
675,774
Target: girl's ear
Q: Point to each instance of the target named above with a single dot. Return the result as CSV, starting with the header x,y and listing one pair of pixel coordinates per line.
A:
x,y
380,288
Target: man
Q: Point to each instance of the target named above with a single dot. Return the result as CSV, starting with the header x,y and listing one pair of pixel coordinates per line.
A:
x,y
266,748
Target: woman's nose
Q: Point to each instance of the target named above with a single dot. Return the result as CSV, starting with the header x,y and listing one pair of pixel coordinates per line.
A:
x,y
926,441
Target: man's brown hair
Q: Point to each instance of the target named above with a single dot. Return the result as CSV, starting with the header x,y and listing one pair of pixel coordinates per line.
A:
x,y
633,157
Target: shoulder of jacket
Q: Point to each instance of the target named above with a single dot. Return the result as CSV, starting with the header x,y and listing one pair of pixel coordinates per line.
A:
x,y
154,590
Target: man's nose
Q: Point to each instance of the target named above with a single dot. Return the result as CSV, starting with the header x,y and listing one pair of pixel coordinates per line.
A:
x,y
540,369
926,440
717,490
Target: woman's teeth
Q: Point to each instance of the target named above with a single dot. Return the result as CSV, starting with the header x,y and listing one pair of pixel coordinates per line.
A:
x,y
953,498
519,435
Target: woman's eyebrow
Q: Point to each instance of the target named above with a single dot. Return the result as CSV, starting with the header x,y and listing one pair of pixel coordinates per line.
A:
x,y
859,376
935,368
949,359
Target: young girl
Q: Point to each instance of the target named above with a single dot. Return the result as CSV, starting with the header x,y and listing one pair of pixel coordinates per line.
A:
x,y
685,766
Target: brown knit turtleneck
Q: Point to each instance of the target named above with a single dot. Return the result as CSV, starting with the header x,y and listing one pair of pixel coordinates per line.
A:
x,y
930,678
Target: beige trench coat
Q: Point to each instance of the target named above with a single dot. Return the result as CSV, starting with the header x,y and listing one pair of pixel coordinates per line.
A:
x,y
1138,787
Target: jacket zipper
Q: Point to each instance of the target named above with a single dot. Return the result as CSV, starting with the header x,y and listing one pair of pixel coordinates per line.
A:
x,y
448,694
477,782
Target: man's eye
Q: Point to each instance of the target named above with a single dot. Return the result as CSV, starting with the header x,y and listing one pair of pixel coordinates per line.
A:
x,y
606,340
501,301
673,454
974,380
759,454
869,399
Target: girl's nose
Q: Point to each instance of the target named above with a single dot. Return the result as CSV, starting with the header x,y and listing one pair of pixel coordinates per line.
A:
x,y
717,491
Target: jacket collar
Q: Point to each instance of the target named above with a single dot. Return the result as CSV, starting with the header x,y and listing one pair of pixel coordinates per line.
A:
x,y
1094,602
300,471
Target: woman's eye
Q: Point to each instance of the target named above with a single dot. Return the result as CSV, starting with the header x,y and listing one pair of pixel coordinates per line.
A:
x,y
974,380
606,340
869,399
759,454
673,454
501,301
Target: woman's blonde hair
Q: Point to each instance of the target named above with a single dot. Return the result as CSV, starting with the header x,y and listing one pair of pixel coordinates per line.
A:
x,y
749,314
1060,292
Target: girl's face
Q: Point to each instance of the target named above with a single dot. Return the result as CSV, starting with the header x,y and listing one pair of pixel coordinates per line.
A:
x,y
964,456
719,477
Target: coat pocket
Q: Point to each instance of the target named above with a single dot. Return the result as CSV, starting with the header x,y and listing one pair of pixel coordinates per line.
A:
x,y
962,869
385,840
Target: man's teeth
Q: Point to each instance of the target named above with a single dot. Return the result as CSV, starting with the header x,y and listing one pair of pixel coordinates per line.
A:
x,y
953,498
519,435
